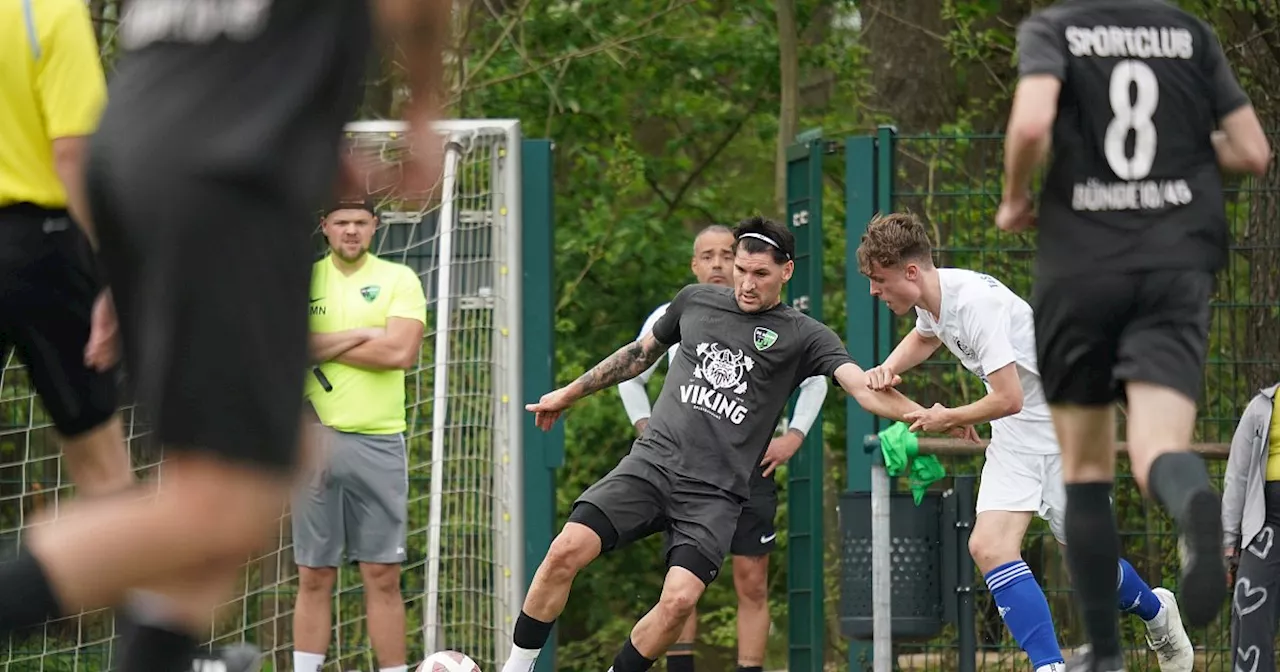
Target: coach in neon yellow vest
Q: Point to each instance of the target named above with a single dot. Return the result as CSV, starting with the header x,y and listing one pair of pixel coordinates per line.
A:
x,y
367,319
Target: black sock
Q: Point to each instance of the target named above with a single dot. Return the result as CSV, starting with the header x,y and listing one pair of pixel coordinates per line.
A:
x,y
680,661
147,648
753,668
26,598
530,633
1174,479
1093,553
630,660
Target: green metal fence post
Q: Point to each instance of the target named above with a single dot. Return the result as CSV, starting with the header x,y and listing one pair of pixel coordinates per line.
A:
x,y
543,451
804,483
859,208
886,137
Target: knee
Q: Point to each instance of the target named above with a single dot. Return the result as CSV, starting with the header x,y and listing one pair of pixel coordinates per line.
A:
x,y
750,581
990,551
680,600
317,580
382,579
574,548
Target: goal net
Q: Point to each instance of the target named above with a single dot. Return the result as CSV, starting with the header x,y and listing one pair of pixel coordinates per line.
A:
x,y
462,583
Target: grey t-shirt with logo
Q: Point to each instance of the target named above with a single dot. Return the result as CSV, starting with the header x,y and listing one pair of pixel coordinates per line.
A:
x,y
729,383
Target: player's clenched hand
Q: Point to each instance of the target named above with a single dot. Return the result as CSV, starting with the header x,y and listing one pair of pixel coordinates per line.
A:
x,y
1015,215
935,419
103,349
780,450
966,433
882,378
549,408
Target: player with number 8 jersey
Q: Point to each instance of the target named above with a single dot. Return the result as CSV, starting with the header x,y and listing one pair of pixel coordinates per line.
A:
x,y
1143,113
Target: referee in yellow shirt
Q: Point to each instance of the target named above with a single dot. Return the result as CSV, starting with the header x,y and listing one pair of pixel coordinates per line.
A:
x,y
52,91
367,320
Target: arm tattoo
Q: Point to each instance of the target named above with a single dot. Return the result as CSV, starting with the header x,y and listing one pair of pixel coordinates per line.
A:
x,y
628,362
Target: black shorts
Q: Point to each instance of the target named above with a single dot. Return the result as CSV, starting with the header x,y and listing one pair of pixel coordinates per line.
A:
x,y
1096,332
756,534
210,278
48,284
639,499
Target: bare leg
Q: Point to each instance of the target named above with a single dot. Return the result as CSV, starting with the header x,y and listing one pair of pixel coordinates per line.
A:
x,y
573,549
97,460
94,554
996,547
680,655
750,581
313,610
1161,421
659,629
385,608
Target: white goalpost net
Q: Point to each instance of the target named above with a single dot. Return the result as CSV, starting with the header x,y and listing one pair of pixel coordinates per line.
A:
x,y
462,583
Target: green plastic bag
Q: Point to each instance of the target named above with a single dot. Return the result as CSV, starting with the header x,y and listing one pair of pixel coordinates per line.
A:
x,y
901,450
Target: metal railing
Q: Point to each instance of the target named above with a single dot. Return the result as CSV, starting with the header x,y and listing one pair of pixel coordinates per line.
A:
x,y
957,643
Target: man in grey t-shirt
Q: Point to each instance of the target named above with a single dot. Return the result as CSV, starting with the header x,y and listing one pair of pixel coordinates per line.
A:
x,y
741,354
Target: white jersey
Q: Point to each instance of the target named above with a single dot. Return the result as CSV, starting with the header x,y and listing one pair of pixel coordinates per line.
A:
x,y
988,327
635,398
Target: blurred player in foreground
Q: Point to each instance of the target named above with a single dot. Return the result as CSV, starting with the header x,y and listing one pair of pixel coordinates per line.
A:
x,y
218,144
755,536
53,307
1132,228
741,354
991,331
367,319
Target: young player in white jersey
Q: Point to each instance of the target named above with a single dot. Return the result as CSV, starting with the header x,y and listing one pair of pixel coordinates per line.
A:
x,y
991,331
755,535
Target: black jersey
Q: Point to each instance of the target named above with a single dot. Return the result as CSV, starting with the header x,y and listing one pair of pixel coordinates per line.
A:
x,y
247,90
1134,182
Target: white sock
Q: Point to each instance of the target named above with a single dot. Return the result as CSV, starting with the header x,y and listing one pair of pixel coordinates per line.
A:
x,y
521,659
307,662
397,668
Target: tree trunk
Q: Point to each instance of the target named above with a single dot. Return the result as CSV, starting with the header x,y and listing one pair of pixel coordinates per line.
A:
x,y
789,89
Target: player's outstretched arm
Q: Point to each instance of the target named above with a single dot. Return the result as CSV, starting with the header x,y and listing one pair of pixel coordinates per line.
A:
x,y
888,403
914,348
1004,399
628,362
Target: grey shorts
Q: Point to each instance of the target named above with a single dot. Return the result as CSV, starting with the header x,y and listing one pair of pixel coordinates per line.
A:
x,y
358,503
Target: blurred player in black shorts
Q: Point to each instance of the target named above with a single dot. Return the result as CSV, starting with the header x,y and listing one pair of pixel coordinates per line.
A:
x,y
219,143
1142,112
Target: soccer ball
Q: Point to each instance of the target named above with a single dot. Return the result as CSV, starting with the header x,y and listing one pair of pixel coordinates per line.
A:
x,y
448,661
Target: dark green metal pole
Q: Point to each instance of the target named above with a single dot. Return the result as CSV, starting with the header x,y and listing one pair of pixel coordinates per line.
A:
x,y
886,137
805,650
543,451
860,310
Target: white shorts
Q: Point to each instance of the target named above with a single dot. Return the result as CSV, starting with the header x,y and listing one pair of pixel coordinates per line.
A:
x,y
1013,481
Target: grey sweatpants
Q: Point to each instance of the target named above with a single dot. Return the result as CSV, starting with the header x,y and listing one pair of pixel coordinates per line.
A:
x,y
358,503
1254,604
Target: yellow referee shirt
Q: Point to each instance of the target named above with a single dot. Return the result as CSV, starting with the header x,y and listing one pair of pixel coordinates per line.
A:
x,y
51,86
362,401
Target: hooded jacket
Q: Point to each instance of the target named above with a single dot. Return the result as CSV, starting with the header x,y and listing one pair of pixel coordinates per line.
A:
x,y
1243,501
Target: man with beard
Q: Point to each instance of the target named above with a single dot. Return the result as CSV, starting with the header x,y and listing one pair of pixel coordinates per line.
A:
x,y
755,536
367,316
